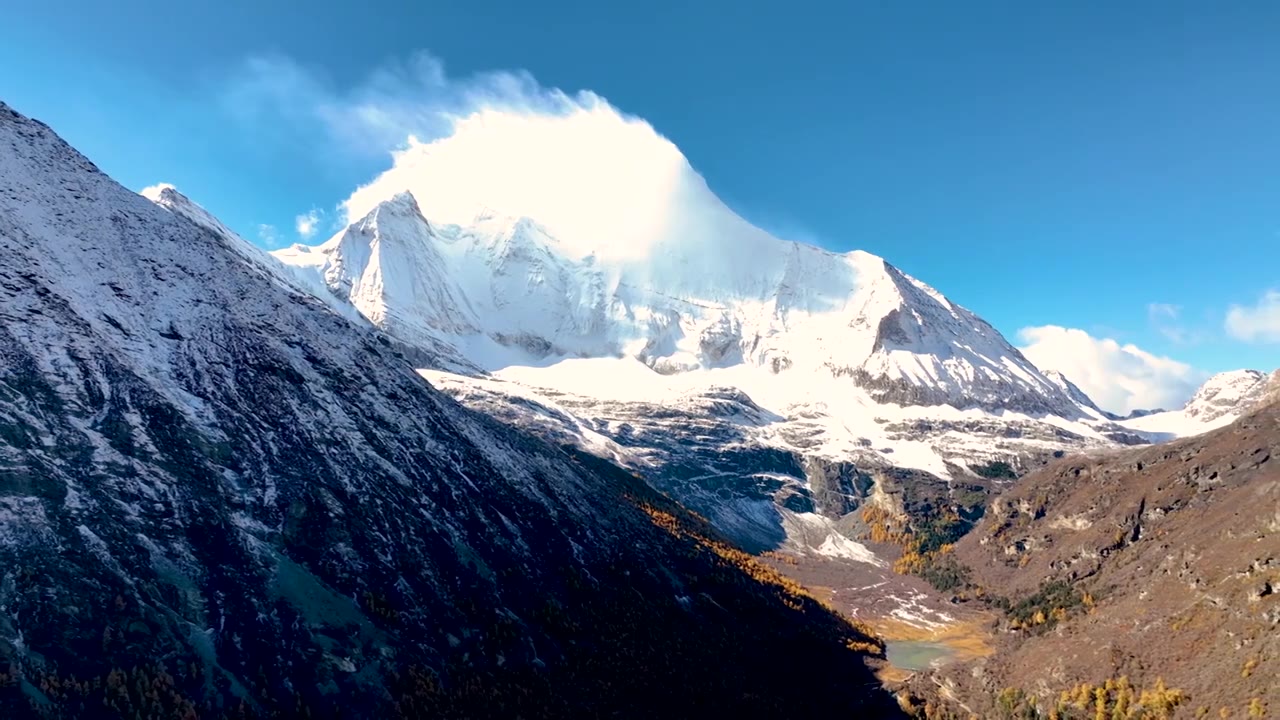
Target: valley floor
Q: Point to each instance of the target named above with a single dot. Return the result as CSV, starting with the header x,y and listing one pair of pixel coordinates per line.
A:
x,y
921,628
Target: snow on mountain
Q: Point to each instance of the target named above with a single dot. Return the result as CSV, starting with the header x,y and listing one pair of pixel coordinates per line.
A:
x,y
1228,393
577,231
424,349
1219,401
748,451
168,197
388,267
507,285
1074,392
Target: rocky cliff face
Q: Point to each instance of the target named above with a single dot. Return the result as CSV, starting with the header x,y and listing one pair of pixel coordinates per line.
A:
x,y
219,497
748,468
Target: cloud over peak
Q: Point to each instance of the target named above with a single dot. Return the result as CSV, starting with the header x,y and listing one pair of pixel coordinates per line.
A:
x,y
601,181
268,235
153,192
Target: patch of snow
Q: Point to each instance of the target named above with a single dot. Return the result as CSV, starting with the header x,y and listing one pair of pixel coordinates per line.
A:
x,y
839,546
913,611
816,533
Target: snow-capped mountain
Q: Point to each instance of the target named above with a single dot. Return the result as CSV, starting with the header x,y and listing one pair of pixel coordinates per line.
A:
x,y
752,378
218,496
1226,394
169,198
1220,400
1074,392
504,290
422,349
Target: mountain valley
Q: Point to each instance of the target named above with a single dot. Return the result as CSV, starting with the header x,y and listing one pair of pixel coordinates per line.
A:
x,y
490,470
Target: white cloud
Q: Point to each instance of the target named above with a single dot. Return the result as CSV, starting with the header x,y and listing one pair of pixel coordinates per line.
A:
x,y
1164,317
1259,323
399,99
601,181
1120,378
152,192
307,223
268,235
598,180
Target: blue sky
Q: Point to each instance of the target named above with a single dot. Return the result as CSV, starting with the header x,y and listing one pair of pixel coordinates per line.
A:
x,y
1088,166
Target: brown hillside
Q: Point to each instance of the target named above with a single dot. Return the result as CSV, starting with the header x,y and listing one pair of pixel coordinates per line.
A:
x,y
1156,563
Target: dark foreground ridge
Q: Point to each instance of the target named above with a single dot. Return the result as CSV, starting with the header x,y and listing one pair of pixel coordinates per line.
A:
x,y
220,499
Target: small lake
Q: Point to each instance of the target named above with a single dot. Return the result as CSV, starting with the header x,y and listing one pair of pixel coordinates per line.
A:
x,y
917,654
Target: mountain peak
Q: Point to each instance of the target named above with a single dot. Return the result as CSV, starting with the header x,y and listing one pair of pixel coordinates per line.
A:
x,y
1074,392
589,235
693,304
402,202
1227,393
397,219
1220,400
170,198
162,192
388,264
